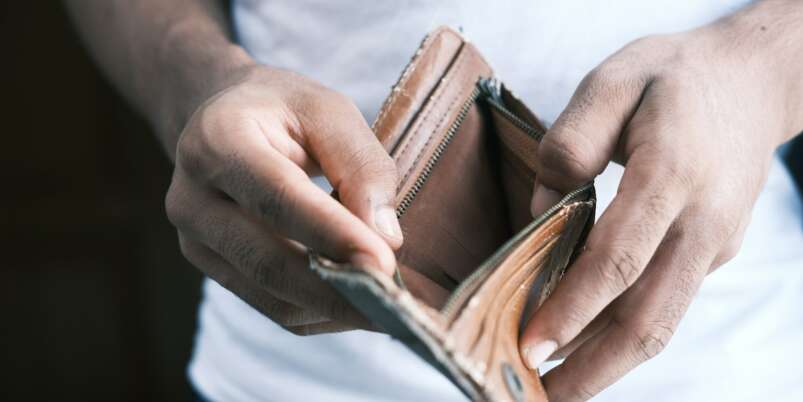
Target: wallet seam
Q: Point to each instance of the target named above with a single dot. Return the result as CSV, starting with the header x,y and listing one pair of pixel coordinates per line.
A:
x,y
422,50
461,63
408,72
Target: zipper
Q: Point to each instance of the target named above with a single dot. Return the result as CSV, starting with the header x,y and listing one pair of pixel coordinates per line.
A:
x,y
470,284
491,91
492,88
426,172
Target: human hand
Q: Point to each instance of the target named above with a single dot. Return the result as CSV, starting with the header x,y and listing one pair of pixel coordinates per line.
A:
x,y
694,117
245,207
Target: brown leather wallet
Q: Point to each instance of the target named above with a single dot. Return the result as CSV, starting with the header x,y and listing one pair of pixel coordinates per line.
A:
x,y
465,149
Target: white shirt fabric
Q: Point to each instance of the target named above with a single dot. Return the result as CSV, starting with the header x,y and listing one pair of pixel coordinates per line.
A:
x,y
742,338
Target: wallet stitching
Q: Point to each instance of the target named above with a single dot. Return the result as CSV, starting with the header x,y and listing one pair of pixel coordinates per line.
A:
x,y
406,74
420,124
397,89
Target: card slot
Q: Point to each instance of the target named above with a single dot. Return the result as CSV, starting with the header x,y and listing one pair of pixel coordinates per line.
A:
x,y
459,217
515,139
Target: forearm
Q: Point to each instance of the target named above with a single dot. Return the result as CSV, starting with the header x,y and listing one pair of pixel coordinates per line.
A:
x,y
166,57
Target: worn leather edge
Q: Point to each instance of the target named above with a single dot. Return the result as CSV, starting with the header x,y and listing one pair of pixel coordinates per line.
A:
x,y
432,123
419,78
397,312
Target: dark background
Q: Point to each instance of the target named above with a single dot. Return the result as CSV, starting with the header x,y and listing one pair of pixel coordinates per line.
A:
x,y
96,301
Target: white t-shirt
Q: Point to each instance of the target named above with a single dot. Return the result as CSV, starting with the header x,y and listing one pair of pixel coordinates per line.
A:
x,y
742,338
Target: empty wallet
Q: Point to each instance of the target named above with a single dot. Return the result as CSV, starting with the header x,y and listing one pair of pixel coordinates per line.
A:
x,y
465,149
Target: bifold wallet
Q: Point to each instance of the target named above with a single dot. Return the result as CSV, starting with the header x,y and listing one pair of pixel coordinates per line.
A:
x,y
465,149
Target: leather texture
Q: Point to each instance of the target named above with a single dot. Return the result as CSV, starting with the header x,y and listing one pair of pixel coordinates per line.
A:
x,y
465,150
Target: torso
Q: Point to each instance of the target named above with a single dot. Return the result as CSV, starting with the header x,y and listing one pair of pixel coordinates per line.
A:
x,y
540,49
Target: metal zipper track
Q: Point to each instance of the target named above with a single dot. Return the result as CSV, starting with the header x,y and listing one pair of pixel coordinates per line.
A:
x,y
469,285
517,121
436,155
493,89
490,88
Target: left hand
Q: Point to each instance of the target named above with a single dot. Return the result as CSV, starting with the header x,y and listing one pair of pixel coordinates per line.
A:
x,y
695,118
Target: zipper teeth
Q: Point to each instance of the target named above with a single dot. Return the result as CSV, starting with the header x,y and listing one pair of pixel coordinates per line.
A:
x,y
493,89
469,284
517,121
439,150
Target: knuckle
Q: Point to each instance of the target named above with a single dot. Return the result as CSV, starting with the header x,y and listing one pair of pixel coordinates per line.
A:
x,y
274,203
568,155
368,164
230,243
657,208
729,252
729,224
721,225
734,244
186,247
199,142
253,261
322,101
268,269
613,78
675,174
188,155
620,268
603,77
651,339
653,43
175,207
337,99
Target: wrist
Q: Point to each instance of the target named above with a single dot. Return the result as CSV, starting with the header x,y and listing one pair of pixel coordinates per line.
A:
x,y
765,42
197,65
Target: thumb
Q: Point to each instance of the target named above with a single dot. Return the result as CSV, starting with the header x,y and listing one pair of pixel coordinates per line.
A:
x,y
584,138
359,168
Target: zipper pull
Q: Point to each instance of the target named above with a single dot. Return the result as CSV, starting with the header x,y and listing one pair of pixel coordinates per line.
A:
x,y
491,88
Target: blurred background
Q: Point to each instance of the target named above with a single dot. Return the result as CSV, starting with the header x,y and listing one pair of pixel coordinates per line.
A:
x,y
96,301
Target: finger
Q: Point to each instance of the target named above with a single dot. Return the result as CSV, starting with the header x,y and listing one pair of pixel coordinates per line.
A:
x,y
217,268
278,191
589,332
617,251
732,246
584,137
270,263
642,324
356,164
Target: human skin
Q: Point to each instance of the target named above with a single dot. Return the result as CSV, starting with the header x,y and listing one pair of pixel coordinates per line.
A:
x,y
694,117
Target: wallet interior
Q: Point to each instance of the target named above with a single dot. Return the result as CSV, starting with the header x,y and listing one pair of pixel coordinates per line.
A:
x,y
467,192
465,149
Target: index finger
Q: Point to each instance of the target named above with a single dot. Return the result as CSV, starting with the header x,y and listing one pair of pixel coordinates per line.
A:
x,y
619,247
277,190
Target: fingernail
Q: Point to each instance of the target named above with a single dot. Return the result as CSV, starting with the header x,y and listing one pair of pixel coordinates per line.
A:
x,y
387,223
543,198
535,355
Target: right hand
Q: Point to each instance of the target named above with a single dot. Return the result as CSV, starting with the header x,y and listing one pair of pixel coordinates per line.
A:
x,y
245,208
